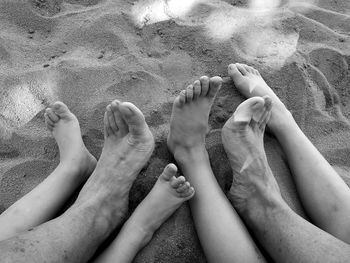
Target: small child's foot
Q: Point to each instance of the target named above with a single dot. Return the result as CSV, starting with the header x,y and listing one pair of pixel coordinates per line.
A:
x,y
65,128
250,83
242,137
189,119
166,196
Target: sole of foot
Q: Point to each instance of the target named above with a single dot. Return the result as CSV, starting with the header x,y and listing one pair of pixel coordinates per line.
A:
x,y
250,83
190,114
65,128
167,195
242,137
128,146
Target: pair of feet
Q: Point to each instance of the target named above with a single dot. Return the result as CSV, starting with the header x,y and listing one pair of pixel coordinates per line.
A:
x,y
242,135
127,147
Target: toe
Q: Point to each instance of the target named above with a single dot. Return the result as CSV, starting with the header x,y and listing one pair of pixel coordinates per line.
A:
x,y
49,123
204,85
183,187
180,100
266,114
107,128
214,85
242,68
189,193
134,118
250,69
182,97
111,120
121,124
51,115
169,171
196,89
189,93
61,109
177,181
249,109
234,73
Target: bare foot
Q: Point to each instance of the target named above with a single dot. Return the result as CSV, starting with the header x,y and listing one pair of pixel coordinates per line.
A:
x,y
165,197
128,146
250,83
189,119
66,130
242,137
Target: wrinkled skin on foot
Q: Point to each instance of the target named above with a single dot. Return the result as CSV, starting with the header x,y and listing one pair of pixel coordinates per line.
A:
x,y
242,137
128,146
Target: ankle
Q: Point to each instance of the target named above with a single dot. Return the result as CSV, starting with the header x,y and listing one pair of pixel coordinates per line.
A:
x,y
281,120
261,208
185,156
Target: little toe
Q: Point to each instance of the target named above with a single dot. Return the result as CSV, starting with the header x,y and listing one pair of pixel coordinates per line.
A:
x,y
250,109
196,89
111,120
134,118
177,181
214,85
169,171
242,68
189,193
189,93
183,187
182,97
51,115
121,124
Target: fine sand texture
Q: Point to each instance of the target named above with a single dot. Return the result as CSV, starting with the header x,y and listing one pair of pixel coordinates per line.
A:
x,y
88,52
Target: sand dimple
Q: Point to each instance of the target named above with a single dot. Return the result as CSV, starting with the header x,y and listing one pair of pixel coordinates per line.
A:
x,y
87,53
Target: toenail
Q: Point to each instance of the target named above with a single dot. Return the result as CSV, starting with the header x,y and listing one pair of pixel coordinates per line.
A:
x,y
129,111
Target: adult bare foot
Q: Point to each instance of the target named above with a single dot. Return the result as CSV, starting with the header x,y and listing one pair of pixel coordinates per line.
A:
x,y
65,128
128,146
250,83
189,119
242,137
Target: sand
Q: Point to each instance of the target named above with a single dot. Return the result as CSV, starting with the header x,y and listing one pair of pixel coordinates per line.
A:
x,y
87,53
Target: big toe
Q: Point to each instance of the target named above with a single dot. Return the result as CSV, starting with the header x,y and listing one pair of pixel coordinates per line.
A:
x,y
134,118
169,171
61,109
214,85
251,109
234,73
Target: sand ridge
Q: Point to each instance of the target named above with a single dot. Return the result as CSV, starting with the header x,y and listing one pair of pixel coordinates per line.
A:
x,y
87,53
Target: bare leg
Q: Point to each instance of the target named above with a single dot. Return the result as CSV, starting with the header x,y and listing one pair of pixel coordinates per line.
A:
x,y
222,234
166,196
324,195
44,201
256,196
102,202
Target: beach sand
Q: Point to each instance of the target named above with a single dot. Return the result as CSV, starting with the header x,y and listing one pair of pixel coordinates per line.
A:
x,y
88,52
